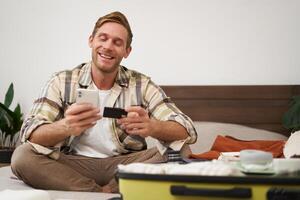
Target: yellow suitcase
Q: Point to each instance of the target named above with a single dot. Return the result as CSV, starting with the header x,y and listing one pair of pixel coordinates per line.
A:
x,y
174,187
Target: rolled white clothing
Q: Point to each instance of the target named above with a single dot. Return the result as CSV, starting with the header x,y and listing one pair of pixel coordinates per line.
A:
x,y
291,147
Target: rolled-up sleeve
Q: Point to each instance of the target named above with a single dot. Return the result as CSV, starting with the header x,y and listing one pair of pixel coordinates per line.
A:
x,y
46,108
162,108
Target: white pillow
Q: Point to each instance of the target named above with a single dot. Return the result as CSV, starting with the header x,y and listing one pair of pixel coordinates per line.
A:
x,y
291,147
208,131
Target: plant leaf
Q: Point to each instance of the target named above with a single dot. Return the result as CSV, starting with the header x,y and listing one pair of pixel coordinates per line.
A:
x,y
9,95
296,98
9,112
291,119
6,120
17,111
17,119
12,122
7,141
1,139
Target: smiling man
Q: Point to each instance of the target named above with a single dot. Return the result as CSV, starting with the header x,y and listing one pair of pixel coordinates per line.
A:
x,y
71,146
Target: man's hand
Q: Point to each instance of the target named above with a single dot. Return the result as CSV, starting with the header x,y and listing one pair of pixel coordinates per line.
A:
x,y
137,122
79,117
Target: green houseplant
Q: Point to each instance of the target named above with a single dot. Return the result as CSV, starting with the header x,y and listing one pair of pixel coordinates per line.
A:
x,y
10,125
291,119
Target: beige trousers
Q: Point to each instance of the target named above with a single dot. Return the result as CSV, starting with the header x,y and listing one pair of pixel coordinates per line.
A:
x,y
73,172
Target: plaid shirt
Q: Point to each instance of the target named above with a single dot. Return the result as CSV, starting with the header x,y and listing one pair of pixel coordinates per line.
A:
x,y
130,88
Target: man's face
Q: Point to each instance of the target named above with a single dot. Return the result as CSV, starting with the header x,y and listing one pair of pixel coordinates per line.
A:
x,y
109,47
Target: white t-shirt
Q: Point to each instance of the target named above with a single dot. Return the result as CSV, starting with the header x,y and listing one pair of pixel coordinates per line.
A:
x,y
97,141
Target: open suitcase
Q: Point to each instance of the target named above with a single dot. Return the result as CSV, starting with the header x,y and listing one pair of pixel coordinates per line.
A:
x,y
173,187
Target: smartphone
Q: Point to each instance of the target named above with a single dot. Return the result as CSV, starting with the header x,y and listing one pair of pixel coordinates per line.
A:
x,y
87,96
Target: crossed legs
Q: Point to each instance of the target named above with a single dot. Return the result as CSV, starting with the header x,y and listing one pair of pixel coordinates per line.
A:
x,y
73,172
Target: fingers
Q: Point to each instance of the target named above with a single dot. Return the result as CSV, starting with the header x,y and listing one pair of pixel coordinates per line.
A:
x,y
137,109
127,120
84,115
140,132
134,126
78,112
137,121
135,114
142,129
132,114
77,127
85,122
80,117
79,108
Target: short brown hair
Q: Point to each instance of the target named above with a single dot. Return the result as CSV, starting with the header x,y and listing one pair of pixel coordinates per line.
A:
x,y
116,17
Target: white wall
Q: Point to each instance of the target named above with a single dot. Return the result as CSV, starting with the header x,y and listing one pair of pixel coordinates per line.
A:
x,y
177,42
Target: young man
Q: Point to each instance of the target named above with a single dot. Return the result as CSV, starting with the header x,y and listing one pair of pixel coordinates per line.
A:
x,y
70,146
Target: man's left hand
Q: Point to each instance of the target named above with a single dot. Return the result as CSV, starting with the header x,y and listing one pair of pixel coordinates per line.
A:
x,y
137,122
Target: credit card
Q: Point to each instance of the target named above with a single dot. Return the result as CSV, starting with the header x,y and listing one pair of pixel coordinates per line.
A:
x,y
114,112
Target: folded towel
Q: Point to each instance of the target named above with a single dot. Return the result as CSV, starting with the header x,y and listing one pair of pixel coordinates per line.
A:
x,y
231,144
142,168
209,168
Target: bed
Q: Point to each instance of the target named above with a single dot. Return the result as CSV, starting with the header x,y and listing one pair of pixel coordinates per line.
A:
x,y
244,112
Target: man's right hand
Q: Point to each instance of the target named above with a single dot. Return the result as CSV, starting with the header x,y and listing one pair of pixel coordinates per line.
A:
x,y
79,117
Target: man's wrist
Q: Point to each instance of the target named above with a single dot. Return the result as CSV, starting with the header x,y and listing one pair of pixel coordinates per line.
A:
x,y
66,129
156,127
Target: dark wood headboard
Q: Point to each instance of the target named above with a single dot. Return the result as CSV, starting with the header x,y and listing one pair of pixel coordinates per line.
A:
x,y
257,106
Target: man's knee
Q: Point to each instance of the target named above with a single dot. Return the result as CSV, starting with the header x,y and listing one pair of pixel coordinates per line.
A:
x,y
22,159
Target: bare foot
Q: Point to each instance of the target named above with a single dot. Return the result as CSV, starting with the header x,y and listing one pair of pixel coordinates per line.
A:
x,y
106,189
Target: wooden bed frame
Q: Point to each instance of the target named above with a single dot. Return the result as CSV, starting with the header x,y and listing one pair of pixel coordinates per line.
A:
x,y
257,106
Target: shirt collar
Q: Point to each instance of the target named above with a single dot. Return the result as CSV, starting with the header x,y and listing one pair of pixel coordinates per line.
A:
x,y
85,79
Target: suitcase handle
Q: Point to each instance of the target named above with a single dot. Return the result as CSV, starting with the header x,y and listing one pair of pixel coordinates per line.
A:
x,y
234,192
282,193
